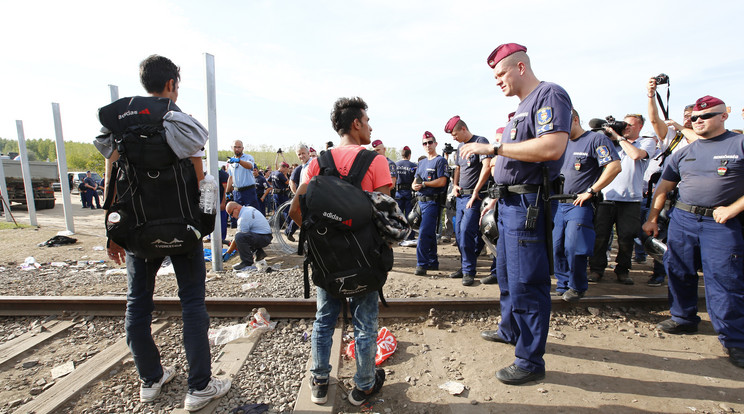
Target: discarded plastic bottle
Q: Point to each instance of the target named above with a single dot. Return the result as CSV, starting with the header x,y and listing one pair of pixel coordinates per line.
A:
x,y
209,195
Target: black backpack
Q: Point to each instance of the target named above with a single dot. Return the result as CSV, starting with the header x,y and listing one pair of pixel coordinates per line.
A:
x,y
154,211
338,236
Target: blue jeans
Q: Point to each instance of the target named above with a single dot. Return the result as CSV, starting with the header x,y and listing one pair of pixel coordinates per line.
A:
x,y
190,274
364,316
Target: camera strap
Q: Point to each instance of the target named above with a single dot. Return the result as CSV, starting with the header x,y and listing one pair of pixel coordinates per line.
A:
x,y
664,109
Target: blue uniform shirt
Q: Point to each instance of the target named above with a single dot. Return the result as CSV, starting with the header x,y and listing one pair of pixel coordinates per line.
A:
x,y
242,177
545,110
261,185
405,170
710,172
251,220
279,181
583,161
470,168
393,168
429,170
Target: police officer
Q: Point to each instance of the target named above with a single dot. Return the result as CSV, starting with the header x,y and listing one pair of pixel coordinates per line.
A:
x,y
406,170
379,147
280,182
534,141
589,164
430,185
704,228
241,181
470,175
262,190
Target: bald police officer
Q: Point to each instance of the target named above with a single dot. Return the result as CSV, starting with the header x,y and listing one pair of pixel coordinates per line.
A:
x,y
533,144
705,228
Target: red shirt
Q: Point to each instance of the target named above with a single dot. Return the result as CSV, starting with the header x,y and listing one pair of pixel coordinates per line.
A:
x,y
378,174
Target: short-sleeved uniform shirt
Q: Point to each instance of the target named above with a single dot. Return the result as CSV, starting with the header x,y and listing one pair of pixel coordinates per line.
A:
x,y
393,168
470,168
584,159
91,182
296,176
628,185
405,170
378,174
261,185
279,181
429,170
710,172
251,220
546,110
242,177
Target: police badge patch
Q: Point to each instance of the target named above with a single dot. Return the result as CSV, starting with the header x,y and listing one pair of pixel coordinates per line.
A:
x,y
544,115
603,154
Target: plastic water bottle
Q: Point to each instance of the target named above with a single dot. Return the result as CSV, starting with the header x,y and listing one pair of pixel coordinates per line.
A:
x,y
209,195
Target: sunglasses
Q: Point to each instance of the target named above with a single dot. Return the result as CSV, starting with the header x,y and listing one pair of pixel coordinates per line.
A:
x,y
709,115
425,143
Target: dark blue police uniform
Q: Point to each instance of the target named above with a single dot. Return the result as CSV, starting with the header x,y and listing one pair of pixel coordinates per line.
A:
x,y
573,226
467,231
429,203
405,170
523,272
710,173
261,187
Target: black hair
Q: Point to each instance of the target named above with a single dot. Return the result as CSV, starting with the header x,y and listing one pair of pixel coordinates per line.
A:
x,y
406,153
345,111
156,71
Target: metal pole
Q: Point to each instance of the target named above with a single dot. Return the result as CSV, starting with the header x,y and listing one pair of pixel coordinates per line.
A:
x,y
212,164
4,193
62,167
28,187
114,92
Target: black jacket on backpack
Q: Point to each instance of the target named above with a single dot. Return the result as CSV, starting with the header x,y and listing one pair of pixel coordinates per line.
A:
x,y
338,236
152,198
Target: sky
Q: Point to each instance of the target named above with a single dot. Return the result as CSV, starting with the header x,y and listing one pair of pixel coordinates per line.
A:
x,y
280,65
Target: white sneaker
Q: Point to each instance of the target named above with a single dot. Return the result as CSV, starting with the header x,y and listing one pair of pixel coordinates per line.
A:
x,y
408,243
148,393
197,399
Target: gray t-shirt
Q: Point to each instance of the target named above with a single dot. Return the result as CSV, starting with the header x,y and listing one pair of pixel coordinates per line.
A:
x,y
628,185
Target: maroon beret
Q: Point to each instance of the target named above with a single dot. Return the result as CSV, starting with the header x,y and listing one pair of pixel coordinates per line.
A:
x,y
706,102
406,148
451,124
428,134
311,149
500,130
376,142
503,51
284,164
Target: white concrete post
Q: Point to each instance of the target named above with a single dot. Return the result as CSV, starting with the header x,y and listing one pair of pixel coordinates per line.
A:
x,y
212,164
27,186
62,167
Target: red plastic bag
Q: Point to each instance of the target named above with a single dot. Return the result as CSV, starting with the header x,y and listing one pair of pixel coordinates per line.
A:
x,y
386,345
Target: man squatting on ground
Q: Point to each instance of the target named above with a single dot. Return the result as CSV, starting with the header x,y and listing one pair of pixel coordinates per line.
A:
x,y
430,184
160,77
350,121
254,233
534,139
705,228
589,164
470,177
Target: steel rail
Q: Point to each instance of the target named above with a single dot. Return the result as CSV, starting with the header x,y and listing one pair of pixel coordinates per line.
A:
x,y
285,307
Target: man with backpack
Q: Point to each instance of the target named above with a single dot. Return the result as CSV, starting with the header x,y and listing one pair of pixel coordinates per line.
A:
x,y
350,121
141,135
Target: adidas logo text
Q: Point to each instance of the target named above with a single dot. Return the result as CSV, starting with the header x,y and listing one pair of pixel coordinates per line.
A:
x,y
332,216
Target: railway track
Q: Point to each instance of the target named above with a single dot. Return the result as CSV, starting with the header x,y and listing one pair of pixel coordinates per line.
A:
x,y
283,307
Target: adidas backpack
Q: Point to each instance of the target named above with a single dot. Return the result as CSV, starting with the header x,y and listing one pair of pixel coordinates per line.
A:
x,y
152,197
339,238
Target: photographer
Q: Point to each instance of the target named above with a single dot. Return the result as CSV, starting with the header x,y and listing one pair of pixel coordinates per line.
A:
x,y
622,205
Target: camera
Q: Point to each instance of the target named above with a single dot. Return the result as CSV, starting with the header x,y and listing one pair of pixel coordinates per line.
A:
x,y
662,79
279,151
598,125
448,149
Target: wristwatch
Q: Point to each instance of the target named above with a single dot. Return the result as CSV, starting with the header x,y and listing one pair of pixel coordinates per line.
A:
x,y
423,183
496,147
591,191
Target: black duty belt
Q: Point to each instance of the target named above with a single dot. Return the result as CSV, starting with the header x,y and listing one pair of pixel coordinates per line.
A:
x,y
501,191
403,186
427,198
703,211
470,191
246,187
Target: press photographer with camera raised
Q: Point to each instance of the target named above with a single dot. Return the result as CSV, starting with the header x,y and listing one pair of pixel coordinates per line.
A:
x,y
622,199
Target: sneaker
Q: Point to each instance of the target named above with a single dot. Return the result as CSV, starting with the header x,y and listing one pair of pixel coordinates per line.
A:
x,y
557,292
319,390
150,390
408,243
244,266
572,296
260,255
656,280
197,399
358,397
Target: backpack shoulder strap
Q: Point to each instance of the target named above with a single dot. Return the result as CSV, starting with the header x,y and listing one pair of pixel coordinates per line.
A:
x,y
326,165
359,168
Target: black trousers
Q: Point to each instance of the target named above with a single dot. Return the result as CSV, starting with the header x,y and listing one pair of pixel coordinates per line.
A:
x,y
626,216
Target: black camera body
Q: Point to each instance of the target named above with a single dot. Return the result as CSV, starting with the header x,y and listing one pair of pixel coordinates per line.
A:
x,y
279,151
448,149
662,79
598,125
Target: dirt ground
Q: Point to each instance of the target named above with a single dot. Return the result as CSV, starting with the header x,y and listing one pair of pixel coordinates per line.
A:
x,y
603,359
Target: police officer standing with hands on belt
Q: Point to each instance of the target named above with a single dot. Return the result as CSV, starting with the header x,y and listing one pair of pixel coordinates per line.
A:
x,y
534,141
470,176
589,164
705,228
430,184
